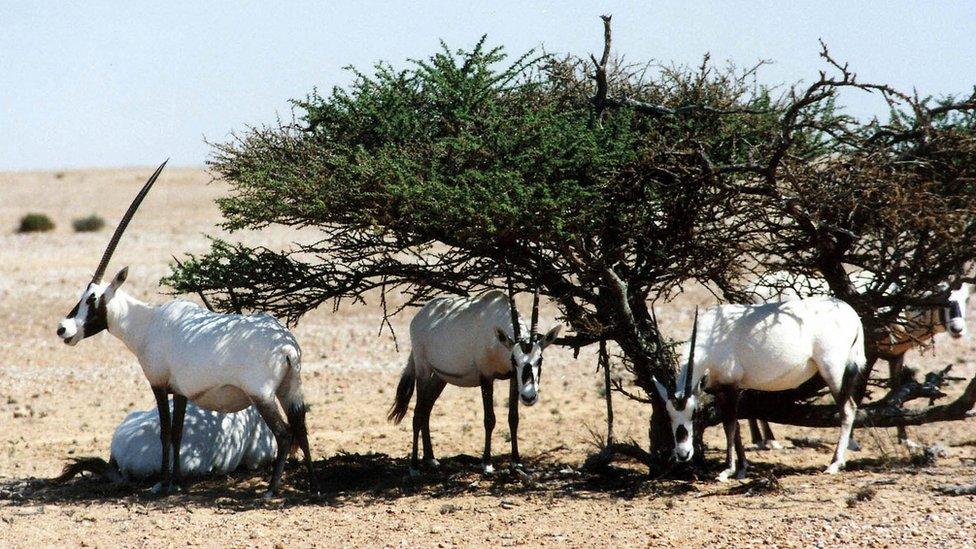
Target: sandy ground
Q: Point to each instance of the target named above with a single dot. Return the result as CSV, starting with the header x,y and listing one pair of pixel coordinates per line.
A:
x,y
58,402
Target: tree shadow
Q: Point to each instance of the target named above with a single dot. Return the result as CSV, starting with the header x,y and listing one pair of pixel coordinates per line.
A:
x,y
363,479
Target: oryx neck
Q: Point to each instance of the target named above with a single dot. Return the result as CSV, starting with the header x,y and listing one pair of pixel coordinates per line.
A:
x,y
128,319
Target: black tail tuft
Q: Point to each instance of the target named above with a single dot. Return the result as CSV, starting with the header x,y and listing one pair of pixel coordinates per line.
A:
x,y
97,466
849,383
296,423
403,393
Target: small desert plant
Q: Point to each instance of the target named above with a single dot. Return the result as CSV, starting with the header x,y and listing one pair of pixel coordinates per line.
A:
x,y
35,223
89,224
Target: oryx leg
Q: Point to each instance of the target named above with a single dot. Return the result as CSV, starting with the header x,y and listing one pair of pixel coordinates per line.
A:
x,y
769,437
176,435
162,405
842,384
268,408
513,421
860,391
435,388
488,400
762,435
427,392
895,368
735,455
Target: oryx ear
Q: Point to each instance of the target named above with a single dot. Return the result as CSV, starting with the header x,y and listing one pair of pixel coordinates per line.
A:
x,y
119,278
662,391
551,335
503,338
702,383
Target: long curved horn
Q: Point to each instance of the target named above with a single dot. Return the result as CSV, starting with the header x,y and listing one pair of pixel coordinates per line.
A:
x,y
535,312
512,310
690,367
110,249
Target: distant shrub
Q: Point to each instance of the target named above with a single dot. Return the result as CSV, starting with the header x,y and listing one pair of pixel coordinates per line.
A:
x,y
88,224
59,175
35,223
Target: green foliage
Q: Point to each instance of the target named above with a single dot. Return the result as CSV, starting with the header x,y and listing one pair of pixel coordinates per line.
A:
x,y
504,163
35,223
88,224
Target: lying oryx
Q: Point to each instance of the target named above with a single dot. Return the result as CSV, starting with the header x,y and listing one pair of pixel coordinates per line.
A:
x,y
915,328
222,362
471,342
213,443
772,347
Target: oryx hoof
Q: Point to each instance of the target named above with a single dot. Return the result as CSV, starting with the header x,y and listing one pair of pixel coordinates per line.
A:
x,y
740,474
162,490
834,468
724,475
853,446
909,443
487,469
517,467
769,445
414,472
269,495
432,463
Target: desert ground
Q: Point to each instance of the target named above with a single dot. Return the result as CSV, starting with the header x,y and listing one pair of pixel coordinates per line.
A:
x,y
59,402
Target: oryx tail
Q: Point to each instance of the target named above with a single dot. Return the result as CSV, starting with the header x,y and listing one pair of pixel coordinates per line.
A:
x,y
408,379
107,470
293,399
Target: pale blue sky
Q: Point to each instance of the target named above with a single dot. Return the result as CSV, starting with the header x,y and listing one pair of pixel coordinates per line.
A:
x,y
128,83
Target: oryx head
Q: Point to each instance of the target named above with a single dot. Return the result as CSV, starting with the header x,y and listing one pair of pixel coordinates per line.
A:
x,y
682,403
526,349
90,315
954,316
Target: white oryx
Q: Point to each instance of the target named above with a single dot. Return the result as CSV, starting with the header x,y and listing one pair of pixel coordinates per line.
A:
x,y
772,347
917,326
471,342
222,362
213,443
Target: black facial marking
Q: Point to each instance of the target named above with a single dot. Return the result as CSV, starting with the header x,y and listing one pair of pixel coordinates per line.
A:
x,y
97,319
526,374
680,403
526,346
955,310
680,434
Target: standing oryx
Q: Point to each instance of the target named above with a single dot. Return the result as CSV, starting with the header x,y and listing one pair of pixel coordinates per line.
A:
x,y
471,342
772,347
222,362
917,326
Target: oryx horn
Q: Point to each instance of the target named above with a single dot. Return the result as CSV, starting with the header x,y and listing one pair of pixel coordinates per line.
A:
x,y
690,367
512,310
535,312
103,264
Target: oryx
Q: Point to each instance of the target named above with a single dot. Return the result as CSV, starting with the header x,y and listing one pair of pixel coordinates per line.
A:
x,y
916,327
471,342
213,443
771,347
221,362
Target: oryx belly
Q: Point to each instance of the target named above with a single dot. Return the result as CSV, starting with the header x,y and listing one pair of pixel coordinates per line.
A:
x,y
226,398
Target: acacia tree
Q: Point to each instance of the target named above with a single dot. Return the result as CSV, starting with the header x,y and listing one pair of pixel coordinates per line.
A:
x,y
602,186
